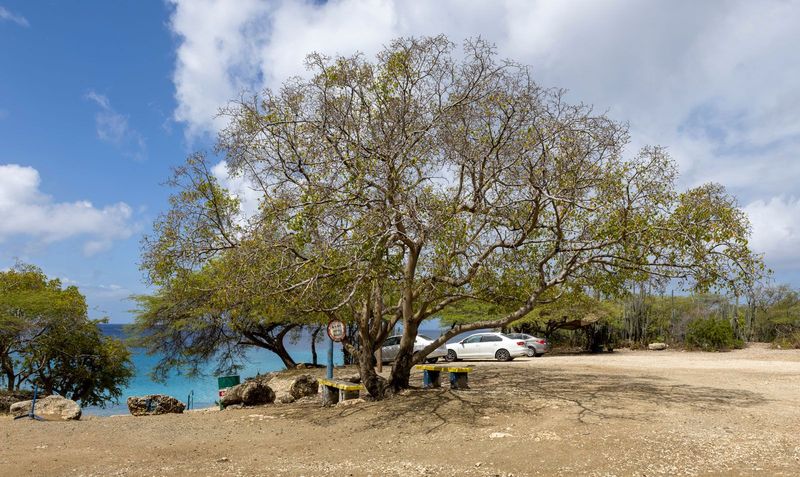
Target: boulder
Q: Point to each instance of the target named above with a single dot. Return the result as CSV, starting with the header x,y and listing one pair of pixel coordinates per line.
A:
x,y
657,346
304,385
291,389
51,408
256,392
154,404
250,393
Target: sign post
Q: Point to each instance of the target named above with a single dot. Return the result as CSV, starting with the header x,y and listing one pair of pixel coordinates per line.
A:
x,y
223,384
336,332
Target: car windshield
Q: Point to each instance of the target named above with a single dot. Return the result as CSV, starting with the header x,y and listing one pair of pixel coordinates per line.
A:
x,y
511,337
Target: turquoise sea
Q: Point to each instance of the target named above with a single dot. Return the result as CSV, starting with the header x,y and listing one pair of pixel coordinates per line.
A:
x,y
205,387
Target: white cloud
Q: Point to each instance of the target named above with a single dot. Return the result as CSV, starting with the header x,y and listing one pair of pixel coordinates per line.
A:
x,y
113,127
715,82
26,211
6,15
776,229
240,188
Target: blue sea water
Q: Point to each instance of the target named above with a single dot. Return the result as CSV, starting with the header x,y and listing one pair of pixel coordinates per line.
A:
x,y
205,387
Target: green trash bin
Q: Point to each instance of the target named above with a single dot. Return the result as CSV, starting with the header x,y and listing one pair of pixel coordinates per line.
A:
x,y
224,383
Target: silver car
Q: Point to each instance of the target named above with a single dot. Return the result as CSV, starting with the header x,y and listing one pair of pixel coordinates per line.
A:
x,y
536,346
391,347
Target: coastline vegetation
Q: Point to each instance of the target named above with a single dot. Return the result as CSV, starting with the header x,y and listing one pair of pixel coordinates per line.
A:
x,y
48,340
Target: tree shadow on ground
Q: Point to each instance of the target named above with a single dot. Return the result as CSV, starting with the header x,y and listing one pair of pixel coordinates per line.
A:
x,y
513,391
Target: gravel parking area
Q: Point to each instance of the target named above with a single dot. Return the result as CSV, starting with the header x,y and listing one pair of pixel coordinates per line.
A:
x,y
625,413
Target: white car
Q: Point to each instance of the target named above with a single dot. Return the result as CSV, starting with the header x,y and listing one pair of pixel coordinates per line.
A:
x,y
487,346
391,347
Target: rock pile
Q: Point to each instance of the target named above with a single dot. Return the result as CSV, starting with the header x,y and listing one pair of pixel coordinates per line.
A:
x,y
288,390
269,388
250,393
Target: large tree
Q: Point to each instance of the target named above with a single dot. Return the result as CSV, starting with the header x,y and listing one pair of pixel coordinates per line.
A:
x,y
393,189
47,339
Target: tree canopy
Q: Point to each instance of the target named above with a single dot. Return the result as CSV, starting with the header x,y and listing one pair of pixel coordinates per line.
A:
x,y
214,314
393,189
46,338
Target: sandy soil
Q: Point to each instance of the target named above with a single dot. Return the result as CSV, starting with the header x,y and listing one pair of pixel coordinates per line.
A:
x,y
626,413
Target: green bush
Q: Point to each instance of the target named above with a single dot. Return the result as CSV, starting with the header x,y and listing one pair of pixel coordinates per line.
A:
x,y
788,341
711,334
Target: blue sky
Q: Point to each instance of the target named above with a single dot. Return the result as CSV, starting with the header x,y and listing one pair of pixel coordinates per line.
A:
x,y
99,99
86,99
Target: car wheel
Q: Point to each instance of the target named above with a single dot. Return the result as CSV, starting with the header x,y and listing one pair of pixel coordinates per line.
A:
x,y
451,356
530,353
431,360
502,355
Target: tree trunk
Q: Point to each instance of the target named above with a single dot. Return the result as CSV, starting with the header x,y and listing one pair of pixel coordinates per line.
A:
x,y
279,349
10,379
8,370
375,384
401,368
314,335
264,338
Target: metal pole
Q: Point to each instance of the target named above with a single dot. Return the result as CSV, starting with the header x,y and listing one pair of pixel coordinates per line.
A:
x,y
32,413
33,403
330,359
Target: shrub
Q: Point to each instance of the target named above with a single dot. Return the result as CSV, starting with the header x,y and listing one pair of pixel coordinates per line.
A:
x,y
788,341
711,334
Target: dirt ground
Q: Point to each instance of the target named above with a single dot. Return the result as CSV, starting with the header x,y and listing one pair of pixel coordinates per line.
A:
x,y
627,413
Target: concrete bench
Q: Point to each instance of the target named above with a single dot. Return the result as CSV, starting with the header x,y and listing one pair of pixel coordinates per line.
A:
x,y
334,390
459,375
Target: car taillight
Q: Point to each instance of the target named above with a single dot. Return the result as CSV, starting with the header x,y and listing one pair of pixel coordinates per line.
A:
x,y
541,341
520,343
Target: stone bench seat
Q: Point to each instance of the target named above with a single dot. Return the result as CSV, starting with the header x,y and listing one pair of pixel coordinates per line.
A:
x,y
431,377
335,390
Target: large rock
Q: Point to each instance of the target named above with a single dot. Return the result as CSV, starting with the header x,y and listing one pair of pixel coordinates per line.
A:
x,y
657,346
291,389
303,386
256,392
250,393
51,408
154,404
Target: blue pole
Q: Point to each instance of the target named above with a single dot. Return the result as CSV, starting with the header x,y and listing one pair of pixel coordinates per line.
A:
x,y
33,403
330,359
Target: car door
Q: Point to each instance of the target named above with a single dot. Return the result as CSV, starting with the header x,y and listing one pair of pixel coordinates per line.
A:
x,y
489,345
390,348
470,346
